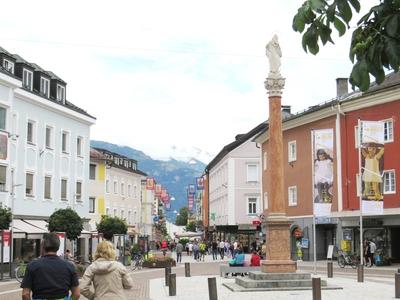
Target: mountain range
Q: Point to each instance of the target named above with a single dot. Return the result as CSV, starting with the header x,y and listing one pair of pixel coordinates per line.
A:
x,y
173,174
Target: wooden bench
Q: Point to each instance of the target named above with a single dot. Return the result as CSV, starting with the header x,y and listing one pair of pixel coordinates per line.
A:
x,y
226,269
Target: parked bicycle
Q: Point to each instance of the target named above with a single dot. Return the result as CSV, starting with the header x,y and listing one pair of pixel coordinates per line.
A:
x,y
136,262
20,271
345,259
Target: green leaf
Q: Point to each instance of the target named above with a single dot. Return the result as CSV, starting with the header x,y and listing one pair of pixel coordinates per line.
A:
x,y
317,4
392,50
330,12
344,10
392,26
325,34
340,26
298,23
355,4
359,75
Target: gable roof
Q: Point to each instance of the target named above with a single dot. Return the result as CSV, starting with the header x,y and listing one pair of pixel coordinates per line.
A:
x,y
239,140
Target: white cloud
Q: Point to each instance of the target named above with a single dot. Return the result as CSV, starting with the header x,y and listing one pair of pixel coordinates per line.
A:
x,y
163,73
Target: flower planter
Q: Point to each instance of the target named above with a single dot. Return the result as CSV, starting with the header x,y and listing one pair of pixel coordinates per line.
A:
x,y
158,264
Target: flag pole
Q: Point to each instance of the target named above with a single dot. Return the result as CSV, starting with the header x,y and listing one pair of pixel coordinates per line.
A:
x,y
312,195
360,190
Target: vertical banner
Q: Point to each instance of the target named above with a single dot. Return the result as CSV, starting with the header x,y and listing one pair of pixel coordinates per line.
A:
x,y
61,236
323,171
6,245
200,183
191,189
150,184
190,201
372,150
158,190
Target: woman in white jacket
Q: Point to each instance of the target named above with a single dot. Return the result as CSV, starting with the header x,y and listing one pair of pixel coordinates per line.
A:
x,y
108,276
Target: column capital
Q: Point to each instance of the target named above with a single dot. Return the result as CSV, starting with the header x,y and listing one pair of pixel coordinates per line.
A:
x,y
274,85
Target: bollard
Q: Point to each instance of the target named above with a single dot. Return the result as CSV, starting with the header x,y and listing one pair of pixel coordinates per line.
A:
x,y
330,269
397,284
187,269
316,288
360,273
212,288
172,284
167,273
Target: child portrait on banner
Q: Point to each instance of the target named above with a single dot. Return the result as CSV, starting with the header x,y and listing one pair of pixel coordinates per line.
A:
x,y
323,176
372,166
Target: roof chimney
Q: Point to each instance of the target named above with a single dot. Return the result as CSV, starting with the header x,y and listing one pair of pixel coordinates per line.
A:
x,y
286,108
342,86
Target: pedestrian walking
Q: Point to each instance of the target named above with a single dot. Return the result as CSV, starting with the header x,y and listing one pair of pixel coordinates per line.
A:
x,y
221,249
196,251
214,249
108,277
372,249
50,277
203,250
179,250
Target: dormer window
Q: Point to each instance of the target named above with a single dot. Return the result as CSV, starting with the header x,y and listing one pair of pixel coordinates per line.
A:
x,y
44,86
8,65
27,79
60,93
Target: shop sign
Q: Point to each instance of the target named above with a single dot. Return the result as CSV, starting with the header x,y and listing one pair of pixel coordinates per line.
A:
x,y
256,222
247,227
347,234
305,243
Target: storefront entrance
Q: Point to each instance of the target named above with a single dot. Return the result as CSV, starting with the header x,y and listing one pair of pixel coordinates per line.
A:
x,y
395,241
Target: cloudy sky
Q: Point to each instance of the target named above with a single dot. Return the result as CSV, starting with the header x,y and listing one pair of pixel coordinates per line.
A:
x,y
170,77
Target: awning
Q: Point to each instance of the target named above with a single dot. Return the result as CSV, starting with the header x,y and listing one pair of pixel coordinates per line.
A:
x,y
38,223
32,232
85,234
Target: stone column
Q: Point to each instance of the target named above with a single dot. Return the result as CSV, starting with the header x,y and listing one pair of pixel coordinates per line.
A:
x,y
278,225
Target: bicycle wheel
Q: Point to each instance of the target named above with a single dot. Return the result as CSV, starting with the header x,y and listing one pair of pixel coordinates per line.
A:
x,y
19,273
341,261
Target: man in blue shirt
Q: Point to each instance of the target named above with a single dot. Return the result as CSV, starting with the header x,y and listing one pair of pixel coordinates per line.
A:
x,y
50,277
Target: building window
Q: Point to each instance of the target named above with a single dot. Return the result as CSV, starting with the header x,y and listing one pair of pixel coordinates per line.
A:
x,y
92,203
92,173
3,114
3,178
107,211
292,151
29,185
252,173
129,190
27,79
30,135
129,217
64,142
107,186
265,160
79,141
115,187
78,191
115,212
44,86
134,191
388,131
252,205
60,93
8,65
64,189
122,214
49,137
292,191
47,187
122,189
389,180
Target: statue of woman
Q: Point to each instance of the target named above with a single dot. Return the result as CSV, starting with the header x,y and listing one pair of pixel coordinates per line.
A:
x,y
274,54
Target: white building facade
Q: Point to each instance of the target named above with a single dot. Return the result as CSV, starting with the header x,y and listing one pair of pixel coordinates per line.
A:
x,y
235,191
44,163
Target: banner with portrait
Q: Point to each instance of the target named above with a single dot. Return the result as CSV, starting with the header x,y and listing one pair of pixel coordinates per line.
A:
x,y
200,183
150,182
372,150
158,190
191,189
322,171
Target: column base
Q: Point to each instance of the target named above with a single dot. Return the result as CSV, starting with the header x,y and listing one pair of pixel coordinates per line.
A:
x,y
278,266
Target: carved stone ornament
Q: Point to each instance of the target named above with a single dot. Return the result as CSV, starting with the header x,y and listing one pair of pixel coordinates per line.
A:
x,y
274,86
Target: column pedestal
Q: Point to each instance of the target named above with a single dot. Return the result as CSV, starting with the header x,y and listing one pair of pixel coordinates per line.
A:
x,y
278,246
